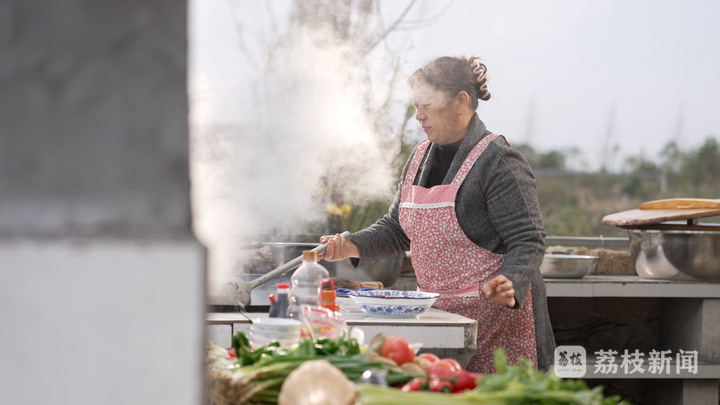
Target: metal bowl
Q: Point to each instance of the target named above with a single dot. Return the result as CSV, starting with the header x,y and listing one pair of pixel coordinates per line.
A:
x,y
676,254
567,266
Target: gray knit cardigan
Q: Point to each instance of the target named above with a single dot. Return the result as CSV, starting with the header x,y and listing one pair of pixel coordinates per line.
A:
x,y
497,207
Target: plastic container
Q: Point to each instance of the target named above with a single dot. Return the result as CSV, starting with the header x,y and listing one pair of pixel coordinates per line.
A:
x,y
305,285
320,322
281,301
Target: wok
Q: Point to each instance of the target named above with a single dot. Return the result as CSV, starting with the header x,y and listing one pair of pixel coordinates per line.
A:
x,y
243,289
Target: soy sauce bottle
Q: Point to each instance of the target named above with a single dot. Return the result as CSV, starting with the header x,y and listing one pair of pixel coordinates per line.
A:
x,y
273,306
278,309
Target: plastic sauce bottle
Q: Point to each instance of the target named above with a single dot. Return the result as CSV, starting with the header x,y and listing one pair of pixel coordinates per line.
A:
x,y
273,306
281,301
306,284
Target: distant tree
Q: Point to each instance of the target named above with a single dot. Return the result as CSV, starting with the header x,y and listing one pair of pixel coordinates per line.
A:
x,y
529,153
637,169
670,165
701,168
553,159
672,157
641,165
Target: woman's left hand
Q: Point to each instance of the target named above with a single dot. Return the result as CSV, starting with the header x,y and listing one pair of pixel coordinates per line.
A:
x,y
500,289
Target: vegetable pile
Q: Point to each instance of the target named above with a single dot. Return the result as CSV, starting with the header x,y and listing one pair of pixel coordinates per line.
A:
x,y
257,376
328,371
512,385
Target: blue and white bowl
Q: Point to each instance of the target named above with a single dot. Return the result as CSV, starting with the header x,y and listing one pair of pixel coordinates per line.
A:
x,y
393,303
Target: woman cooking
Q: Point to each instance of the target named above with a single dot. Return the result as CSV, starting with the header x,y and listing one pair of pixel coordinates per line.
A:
x,y
468,210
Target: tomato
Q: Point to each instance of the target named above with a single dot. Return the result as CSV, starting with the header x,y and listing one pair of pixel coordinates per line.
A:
x,y
465,381
440,385
476,375
398,349
431,358
453,362
441,369
231,353
416,384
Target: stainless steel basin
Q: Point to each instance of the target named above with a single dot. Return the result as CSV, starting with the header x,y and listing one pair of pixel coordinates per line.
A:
x,y
567,266
676,254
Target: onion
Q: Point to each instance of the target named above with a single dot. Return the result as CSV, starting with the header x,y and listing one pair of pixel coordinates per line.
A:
x,y
317,382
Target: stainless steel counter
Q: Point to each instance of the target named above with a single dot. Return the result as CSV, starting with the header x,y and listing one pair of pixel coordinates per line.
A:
x,y
611,286
630,286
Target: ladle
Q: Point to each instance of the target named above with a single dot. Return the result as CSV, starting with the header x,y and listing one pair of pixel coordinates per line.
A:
x,y
244,288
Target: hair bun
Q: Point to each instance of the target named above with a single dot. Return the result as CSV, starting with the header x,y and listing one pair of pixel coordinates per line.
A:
x,y
482,78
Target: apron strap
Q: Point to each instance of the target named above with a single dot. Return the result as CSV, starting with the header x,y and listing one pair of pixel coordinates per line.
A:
x,y
415,163
473,156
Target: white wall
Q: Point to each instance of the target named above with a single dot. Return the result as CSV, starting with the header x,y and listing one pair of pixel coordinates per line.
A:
x,y
101,322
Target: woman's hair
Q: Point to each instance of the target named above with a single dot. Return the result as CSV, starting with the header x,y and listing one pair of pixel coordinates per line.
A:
x,y
451,75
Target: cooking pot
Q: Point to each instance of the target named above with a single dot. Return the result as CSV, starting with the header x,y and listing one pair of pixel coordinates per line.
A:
x,y
676,254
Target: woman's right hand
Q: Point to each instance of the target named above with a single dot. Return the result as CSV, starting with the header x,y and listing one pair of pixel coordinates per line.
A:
x,y
338,248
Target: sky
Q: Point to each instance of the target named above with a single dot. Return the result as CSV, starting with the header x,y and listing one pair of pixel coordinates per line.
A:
x,y
595,76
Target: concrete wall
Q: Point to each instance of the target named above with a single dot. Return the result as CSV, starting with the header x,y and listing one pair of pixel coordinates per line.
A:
x,y
102,283
93,117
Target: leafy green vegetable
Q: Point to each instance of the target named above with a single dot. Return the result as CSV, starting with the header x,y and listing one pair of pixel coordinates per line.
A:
x,y
511,385
257,375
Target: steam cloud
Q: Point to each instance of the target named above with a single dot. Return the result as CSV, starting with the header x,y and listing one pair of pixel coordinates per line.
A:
x,y
308,126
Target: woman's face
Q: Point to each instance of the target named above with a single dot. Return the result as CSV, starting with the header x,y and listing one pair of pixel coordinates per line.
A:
x,y
438,115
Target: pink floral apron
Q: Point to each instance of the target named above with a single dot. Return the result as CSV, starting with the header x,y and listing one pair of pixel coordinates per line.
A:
x,y
447,262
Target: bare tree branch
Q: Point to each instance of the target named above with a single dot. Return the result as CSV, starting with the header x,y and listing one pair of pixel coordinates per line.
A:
x,y
427,21
239,31
364,10
273,19
391,28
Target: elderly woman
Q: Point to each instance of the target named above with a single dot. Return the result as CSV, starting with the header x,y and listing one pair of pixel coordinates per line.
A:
x,y
467,209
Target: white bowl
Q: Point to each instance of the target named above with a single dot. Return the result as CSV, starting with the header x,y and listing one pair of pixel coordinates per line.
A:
x,y
274,335
276,325
393,303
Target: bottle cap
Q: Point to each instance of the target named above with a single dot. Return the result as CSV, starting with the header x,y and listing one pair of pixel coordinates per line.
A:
x,y
309,255
283,285
271,297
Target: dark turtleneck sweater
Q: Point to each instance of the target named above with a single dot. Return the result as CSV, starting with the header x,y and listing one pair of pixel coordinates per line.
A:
x,y
441,157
